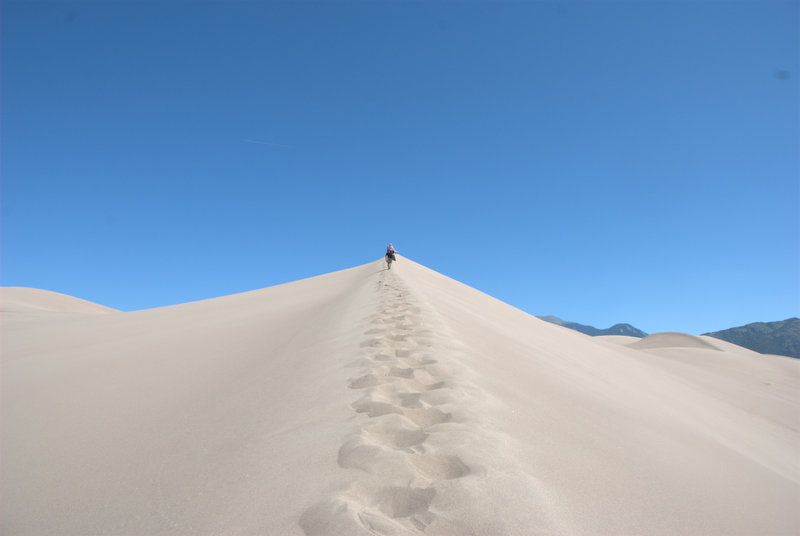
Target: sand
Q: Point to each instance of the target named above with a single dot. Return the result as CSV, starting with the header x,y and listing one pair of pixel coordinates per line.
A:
x,y
369,401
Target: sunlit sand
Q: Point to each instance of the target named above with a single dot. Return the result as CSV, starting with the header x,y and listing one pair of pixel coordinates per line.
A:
x,y
369,401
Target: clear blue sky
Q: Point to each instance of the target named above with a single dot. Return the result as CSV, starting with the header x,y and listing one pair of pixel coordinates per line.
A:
x,y
601,161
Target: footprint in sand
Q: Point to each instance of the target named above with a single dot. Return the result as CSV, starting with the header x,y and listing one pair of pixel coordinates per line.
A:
x,y
356,455
375,331
373,408
373,343
438,371
334,516
368,380
403,439
401,372
410,400
419,362
438,397
381,525
423,376
426,417
346,516
423,333
440,466
393,435
396,502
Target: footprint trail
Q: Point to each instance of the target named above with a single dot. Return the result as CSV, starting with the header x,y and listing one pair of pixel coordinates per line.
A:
x,y
405,397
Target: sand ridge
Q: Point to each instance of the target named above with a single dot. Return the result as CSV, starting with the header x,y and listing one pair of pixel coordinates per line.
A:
x,y
29,300
673,340
369,401
412,431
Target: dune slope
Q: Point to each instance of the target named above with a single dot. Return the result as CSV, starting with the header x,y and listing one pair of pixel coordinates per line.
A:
x,y
369,401
26,300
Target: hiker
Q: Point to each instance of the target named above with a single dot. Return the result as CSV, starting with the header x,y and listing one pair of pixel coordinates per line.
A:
x,y
390,251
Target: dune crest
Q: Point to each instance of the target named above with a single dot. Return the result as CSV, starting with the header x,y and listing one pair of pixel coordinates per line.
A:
x,y
413,430
369,401
673,339
24,299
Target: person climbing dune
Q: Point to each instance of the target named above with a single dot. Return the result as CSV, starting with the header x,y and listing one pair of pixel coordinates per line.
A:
x,y
390,251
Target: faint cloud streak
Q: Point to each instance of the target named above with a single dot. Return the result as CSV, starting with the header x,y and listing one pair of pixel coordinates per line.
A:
x,y
261,142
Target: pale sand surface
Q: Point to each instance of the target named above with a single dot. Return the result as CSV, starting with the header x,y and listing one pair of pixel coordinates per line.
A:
x,y
32,300
382,402
618,339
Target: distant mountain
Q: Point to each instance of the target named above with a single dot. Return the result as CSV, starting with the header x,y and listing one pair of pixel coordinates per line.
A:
x,y
616,329
781,338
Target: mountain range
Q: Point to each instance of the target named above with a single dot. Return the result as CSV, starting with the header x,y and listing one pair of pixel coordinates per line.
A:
x,y
616,329
779,338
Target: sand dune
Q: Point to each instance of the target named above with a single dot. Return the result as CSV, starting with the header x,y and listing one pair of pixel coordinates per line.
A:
x,y
674,340
369,401
21,299
623,340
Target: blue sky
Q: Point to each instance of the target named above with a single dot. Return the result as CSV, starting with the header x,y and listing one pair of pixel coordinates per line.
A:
x,y
601,161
